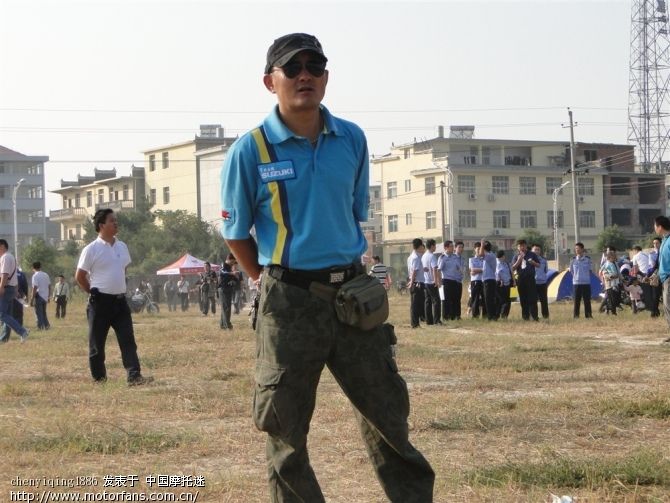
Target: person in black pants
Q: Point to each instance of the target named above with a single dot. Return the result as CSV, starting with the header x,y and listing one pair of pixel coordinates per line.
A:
x,y
228,281
541,274
101,272
415,282
524,264
489,279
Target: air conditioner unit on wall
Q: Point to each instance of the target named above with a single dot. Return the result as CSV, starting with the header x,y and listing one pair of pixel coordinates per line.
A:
x,y
491,198
473,196
496,232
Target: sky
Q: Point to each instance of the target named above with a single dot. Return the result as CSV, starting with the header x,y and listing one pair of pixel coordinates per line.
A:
x,y
95,83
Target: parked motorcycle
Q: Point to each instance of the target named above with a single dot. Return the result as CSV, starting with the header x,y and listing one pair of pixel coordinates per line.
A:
x,y
139,301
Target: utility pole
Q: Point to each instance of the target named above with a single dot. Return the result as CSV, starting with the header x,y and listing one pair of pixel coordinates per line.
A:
x,y
442,186
573,177
554,196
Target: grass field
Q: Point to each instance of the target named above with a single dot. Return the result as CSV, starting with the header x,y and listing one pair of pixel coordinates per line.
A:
x,y
505,412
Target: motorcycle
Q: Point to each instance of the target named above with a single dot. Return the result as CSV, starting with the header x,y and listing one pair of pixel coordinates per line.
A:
x,y
139,301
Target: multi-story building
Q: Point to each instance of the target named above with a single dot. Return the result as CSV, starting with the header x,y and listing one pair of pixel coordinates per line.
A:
x,y
632,197
25,175
104,189
173,174
372,229
210,161
477,188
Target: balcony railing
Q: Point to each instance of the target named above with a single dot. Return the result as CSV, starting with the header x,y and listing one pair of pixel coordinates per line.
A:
x,y
68,214
117,205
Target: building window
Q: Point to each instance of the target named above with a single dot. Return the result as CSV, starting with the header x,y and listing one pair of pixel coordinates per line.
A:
x,y
585,187
486,156
500,184
553,182
528,219
391,190
472,158
527,185
126,193
467,219
166,195
406,153
101,196
152,197
430,185
392,223
590,155
77,200
550,219
64,202
3,192
587,219
35,192
620,186
431,220
166,160
466,184
408,219
408,185
622,217
77,231
501,219
89,198
152,162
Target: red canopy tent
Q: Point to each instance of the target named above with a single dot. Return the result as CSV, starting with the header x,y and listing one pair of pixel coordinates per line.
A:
x,y
188,264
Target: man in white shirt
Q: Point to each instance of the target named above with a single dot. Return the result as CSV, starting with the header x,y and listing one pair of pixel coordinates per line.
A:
x,y
433,305
61,296
416,281
8,284
101,272
41,294
642,267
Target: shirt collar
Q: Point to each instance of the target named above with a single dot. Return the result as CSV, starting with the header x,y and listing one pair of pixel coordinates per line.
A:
x,y
277,132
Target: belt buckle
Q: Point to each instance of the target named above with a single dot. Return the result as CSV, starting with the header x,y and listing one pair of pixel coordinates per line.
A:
x,y
336,277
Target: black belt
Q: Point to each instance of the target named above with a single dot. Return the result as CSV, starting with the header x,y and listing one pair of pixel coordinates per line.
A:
x,y
335,276
110,296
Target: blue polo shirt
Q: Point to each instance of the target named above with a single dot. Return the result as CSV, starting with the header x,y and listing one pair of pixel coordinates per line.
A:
x,y
489,268
476,263
542,271
664,259
580,267
450,267
305,203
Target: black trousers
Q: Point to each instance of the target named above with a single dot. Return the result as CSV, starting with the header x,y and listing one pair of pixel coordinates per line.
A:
x,y
491,299
226,296
184,300
542,298
432,304
417,301
105,311
477,298
452,299
504,303
527,297
582,292
656,296
61,305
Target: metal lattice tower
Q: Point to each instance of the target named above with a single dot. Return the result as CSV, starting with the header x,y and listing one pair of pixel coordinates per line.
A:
x,y
648,98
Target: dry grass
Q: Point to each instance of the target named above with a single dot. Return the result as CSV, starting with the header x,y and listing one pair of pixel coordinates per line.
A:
x,y
508,411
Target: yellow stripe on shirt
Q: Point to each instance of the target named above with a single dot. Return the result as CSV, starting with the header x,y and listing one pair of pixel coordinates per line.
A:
x,y
275,200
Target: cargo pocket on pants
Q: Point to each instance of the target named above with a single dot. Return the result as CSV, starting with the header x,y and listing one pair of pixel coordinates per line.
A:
x,y
268,378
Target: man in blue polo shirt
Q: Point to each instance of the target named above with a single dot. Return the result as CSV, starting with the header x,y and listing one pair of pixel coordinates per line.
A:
x,y
301,179
580,268
450,276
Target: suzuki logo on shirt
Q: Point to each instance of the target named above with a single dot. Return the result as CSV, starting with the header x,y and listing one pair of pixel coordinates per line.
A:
x,y
274,171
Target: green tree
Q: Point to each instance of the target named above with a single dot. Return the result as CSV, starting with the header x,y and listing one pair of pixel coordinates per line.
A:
x,y
39,251
612,236
533,236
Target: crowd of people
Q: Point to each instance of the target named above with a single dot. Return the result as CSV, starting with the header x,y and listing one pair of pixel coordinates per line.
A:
x,y
435,281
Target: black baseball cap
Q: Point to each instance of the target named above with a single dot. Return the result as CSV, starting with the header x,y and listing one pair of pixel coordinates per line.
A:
x,y
284,48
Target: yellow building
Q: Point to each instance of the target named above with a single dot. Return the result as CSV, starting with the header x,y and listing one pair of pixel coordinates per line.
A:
x,y
173,173
82,197
466,189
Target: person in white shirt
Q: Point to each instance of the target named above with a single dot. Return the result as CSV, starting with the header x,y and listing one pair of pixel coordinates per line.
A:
x,y
642,268
415,282
41,294
101,272
61,296
432,303
8,285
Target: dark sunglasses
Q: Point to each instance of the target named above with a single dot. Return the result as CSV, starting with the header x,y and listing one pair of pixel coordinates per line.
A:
x,y
293,68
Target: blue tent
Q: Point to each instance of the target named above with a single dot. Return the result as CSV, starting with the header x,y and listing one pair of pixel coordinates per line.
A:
x,y
560,287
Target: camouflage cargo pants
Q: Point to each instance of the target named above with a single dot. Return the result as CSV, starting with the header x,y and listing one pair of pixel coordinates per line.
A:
x,y
296,336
